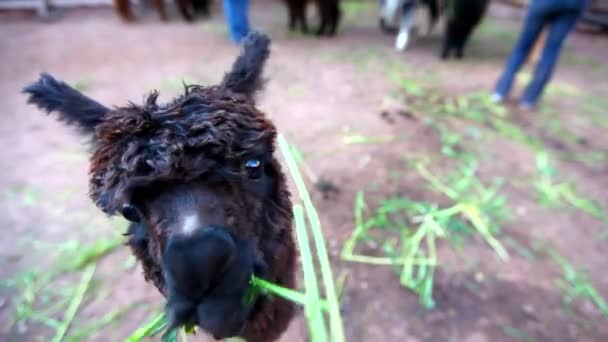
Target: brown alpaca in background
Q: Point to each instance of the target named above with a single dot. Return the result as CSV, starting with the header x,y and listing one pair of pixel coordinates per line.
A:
x,y
207,200
189,9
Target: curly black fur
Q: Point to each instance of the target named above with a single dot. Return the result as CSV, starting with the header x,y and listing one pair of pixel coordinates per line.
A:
x,y
52,95
245,76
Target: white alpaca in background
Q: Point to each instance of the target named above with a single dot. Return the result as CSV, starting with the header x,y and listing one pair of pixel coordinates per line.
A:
x,y
398,16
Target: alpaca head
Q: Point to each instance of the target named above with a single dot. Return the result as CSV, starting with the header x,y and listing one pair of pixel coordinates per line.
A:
x,y
206,198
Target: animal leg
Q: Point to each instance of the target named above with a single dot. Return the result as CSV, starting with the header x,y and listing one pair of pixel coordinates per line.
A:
x,y
464,38
202,7
460,52
160,7
304,25
335,18
184,7
433,15
407,22
445,49
302,18
292,16
322,27
123,9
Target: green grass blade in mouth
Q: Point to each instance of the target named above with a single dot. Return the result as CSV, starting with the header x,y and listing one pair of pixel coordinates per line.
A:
x,y
312,308
335,317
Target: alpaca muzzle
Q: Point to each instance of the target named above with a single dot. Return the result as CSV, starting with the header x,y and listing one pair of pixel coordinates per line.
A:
x,y
193,263
208,275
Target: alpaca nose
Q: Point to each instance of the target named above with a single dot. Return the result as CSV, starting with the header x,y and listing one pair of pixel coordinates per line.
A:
x,y
193,263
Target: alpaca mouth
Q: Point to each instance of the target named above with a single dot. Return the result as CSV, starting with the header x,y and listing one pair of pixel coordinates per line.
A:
x,y
220,318
208,276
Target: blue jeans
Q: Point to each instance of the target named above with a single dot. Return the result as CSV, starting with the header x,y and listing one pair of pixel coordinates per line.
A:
x,y
236,14
559,16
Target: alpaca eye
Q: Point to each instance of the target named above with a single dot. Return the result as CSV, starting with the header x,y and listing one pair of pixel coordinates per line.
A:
x,y
130,213
253,168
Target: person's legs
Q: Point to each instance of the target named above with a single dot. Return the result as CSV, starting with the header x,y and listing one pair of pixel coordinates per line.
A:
x,y
560,27
533,24
236,12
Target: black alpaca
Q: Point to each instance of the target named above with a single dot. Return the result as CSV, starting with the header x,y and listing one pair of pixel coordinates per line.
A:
x,y
462,18
194,8
329,12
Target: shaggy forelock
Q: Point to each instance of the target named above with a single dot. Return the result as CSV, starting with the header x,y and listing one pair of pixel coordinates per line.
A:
x,y
192,135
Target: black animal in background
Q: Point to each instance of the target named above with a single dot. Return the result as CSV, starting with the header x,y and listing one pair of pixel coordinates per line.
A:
x,y
296,10
192,9
329,10
462,18
329,13
188,9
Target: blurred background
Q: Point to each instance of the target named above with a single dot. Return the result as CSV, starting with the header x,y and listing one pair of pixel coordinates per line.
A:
x,y
382,134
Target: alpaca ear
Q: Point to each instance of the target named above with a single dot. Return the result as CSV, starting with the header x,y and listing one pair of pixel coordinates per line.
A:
x,y
72,106
245,77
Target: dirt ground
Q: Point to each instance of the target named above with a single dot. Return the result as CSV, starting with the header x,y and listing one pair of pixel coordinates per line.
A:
x,y
318,93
